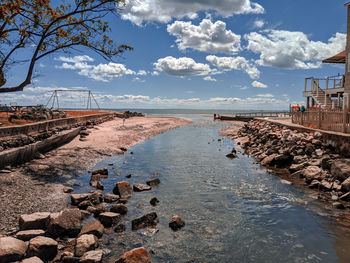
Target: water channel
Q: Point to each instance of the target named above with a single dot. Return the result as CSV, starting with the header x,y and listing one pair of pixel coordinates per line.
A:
x,y
235,211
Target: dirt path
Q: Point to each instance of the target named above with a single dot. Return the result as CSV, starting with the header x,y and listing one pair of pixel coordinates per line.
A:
x,y
37,185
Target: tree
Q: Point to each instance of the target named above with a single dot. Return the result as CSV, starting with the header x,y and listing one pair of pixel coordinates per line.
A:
x,y
47,27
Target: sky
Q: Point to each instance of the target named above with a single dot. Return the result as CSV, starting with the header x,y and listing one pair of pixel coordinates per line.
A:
x,y
201,54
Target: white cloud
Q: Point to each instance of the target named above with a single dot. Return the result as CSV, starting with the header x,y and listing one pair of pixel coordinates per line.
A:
x,y
180,67
258,84
206,37
267,95
209,78
138,79
244,88
259,23
234,63
292,50
164,11
155,73
100,72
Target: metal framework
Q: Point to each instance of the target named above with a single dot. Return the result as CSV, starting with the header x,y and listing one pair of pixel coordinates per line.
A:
x,y
54,98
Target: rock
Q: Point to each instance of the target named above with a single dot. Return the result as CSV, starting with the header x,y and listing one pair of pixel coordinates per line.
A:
x,y
123,189
296,167
84,243
96,197
335,198
120,228
325,185
153,182
32,260
100,208
11,249
141,187
285,182
336,186
341,169
338,205
34,221
128,176
109,219
123,149
231,155
150,219
78,198
68,189
103,171
119,208
176,223
93,256
345,197
268,160
93,227
311,172
65,223
26,235
137,255
315,184
84,205
110,198
154,201
345,186
43,247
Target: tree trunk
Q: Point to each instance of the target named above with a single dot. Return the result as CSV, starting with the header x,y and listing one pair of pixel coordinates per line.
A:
x,y
2,79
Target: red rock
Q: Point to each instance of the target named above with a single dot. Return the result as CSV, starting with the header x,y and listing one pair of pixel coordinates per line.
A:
x,y
43,247
11,249
34,221
123,189
176,223
137,255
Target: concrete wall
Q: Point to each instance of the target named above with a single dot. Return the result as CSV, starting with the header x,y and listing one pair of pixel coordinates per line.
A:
x,y
47,125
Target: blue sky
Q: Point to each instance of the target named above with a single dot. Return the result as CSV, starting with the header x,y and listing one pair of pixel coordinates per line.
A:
x,y
228,54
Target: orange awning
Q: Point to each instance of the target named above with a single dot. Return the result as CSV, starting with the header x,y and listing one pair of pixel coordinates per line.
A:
x,y
339,58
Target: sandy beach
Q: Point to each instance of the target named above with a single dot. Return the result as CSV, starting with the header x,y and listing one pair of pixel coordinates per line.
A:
x,y
36,186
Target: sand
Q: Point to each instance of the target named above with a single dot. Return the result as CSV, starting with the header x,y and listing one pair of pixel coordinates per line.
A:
x,y
36,186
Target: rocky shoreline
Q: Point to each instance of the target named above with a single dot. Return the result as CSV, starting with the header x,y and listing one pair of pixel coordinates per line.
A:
x,y
301,158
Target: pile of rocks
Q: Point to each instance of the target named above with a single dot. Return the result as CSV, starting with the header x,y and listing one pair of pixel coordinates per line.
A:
x,y
38,113
129,114
299,156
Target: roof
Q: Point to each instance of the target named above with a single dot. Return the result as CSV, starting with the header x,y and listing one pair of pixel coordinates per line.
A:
x,y
339,58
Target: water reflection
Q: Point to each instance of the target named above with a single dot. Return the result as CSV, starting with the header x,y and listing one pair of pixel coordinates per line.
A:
x,y
234,210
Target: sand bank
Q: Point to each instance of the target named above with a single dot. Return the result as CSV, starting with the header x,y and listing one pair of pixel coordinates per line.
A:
x,y
36,186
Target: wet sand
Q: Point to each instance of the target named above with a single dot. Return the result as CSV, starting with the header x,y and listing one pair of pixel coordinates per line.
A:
x,y
38,185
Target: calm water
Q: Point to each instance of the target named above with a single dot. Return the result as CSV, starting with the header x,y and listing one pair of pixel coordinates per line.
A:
x,y
234,210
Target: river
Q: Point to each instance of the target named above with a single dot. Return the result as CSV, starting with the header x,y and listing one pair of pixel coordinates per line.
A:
x,y
235,211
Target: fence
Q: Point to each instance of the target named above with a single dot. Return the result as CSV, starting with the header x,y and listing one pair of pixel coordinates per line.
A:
x,y
336,120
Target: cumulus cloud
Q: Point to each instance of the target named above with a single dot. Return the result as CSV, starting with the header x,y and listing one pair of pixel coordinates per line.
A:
x,y
100,72
292,50
164,11
258,84
183,66
234,63
209,78
259,23
206,37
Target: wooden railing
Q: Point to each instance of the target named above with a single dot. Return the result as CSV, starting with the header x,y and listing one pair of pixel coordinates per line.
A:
x,y
330,120
313,84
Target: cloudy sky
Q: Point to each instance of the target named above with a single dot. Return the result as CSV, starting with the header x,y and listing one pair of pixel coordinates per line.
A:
x,y
227,54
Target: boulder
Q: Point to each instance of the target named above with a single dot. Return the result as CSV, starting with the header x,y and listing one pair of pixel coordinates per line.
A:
x,y
11,249
315,184
96,210
34,221
338,205
325,185
119,228
96,197
311,173
341,169
68,189
268,161
43,247
153,182
141,187
154,201
93,227
109,219
345,197
85,243
176,223
65,223
78,198
119,208
93,256
137,255
32,260
123,189
231,155
26,235
103,171
345,186
148,220
110,198
85,204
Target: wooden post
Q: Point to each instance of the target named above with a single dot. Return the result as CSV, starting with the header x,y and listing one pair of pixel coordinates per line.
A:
x,y
345,110
319,117
327,82
305,88
312,84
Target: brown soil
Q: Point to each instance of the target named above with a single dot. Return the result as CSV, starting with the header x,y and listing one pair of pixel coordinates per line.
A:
x,y
35,187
